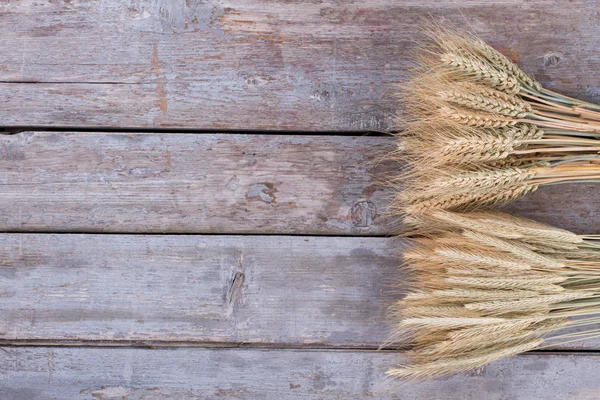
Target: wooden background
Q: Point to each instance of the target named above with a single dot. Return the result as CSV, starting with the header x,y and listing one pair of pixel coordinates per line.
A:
x,y
191,197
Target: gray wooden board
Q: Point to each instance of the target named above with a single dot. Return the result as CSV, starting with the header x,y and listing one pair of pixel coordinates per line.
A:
x,y
267,290
185,373
224,183
273,291
231,183
259,64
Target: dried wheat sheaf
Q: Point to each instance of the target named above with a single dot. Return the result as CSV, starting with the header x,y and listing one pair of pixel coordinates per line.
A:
x,y
484,285
477,131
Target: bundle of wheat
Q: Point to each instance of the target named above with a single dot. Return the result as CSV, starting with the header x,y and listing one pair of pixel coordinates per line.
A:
x,y
488,285
478,131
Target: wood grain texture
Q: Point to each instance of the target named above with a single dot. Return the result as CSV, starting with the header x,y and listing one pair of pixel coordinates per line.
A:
x,y
259,64
111,374
231,183
223,183
267,290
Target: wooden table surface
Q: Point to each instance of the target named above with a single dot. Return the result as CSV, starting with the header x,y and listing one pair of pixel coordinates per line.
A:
x,y
192,197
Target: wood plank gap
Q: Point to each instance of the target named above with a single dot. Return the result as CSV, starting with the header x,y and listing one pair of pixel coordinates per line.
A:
x,y
14,130
250,234
152,345
70,82
188,344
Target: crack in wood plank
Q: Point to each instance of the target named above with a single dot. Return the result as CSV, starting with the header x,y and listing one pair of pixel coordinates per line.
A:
x,y
234,295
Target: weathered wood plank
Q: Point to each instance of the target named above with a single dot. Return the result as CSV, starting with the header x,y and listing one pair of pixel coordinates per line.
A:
x,y
231,183
274,291
258,64
271,290
91,373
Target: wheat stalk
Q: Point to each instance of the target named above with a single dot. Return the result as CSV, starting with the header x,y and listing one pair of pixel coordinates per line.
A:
x,y
513,325
473,147
489,102
502,225
480,71
464,294
474,119
466,199
458,364
470,256
510,306
451,40
518,250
